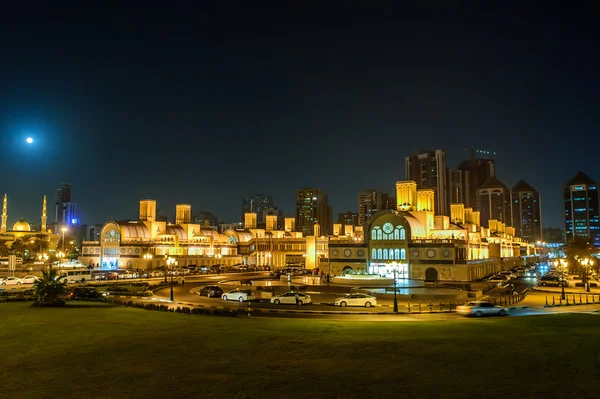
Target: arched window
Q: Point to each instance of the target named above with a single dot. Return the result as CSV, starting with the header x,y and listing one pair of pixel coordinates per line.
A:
x,y
402,254
396,234
379,234
402,233
397,254
385,253
385,236
373,234
379,254
374,253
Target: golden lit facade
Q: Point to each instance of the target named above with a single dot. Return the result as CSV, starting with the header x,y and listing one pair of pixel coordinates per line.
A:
x,y
412,240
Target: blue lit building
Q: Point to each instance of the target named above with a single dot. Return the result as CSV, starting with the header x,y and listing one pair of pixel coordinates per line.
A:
x,y
582,209
526,212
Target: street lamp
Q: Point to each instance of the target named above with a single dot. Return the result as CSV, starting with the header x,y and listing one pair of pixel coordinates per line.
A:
x,y
170,263
148,258
395,270
166,263
562,285
64,229
585,262
43,258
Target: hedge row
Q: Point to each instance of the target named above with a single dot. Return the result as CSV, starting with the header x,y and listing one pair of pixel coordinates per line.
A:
x,y
165,308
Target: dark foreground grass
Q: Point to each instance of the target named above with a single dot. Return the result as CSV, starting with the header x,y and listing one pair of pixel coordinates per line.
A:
x,y
112,352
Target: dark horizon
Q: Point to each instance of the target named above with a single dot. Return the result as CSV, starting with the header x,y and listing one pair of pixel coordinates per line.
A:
x,y
209,104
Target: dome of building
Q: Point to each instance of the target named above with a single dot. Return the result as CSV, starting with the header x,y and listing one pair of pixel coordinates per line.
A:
x,y
21,225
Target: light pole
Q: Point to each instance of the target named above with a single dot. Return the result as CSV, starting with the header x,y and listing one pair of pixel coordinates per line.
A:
x,y
64,229
148,259
395,289
43,258
170,262
585,262
166,269
562,286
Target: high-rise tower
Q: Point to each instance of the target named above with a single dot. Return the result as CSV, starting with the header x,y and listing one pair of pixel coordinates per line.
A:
x,y
582,209
428,170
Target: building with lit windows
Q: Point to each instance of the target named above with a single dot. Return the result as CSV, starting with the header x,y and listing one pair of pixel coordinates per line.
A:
x,y
526,211
494,201
348,219
312,208
428,170
581,206
372,201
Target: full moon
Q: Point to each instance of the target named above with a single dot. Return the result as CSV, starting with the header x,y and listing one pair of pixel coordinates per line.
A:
x,y
29,140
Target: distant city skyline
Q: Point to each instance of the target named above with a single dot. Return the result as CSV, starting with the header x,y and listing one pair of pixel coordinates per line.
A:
x,y
183,107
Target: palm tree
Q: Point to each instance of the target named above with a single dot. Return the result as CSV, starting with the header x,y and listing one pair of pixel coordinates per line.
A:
x,y
19,247
47,290
4,250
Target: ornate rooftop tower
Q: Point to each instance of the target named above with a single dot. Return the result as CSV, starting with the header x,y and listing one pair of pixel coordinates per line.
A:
x,y
44,216
4,214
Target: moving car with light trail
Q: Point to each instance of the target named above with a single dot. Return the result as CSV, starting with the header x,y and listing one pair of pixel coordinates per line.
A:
x,y
481,308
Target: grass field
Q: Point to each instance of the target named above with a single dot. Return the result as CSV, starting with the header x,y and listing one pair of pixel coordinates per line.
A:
x,y
100,351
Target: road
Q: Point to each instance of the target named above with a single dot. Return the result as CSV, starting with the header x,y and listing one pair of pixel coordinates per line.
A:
x,y
322,307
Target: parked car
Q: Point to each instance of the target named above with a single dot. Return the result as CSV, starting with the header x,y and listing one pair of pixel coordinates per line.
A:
x,y
11,281
238,295
481,308
508,273
30,279
289,298
85,293
552,280
211,291
356,300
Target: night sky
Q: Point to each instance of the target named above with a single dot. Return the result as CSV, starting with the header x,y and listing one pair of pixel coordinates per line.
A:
x,y
209,104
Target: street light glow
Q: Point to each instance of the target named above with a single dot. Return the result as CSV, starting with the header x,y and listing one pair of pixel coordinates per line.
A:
x,y
29,140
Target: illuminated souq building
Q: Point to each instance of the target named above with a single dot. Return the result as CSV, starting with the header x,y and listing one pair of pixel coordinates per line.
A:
x,y
410,239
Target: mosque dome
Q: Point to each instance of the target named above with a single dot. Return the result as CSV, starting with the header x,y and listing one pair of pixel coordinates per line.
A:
x,y
21,225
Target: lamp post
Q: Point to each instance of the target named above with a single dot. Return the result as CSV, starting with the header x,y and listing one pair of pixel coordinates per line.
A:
x,y
394,265
562,286
64,229
585,262
43,258
170,263
148,259
166,269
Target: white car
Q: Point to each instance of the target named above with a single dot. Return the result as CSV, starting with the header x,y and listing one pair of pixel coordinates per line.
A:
x,y
356,300
30,279
11,281
498,278
481,308
238,295
289,298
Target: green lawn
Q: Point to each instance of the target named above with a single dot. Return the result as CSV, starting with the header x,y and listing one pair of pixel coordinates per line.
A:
x,y
103,351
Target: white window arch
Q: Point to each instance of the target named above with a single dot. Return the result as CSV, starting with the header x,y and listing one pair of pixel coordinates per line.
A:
x,y
385,253
396,233
374,234
379,254
374,253
379,234
403,254
402,233
397,254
